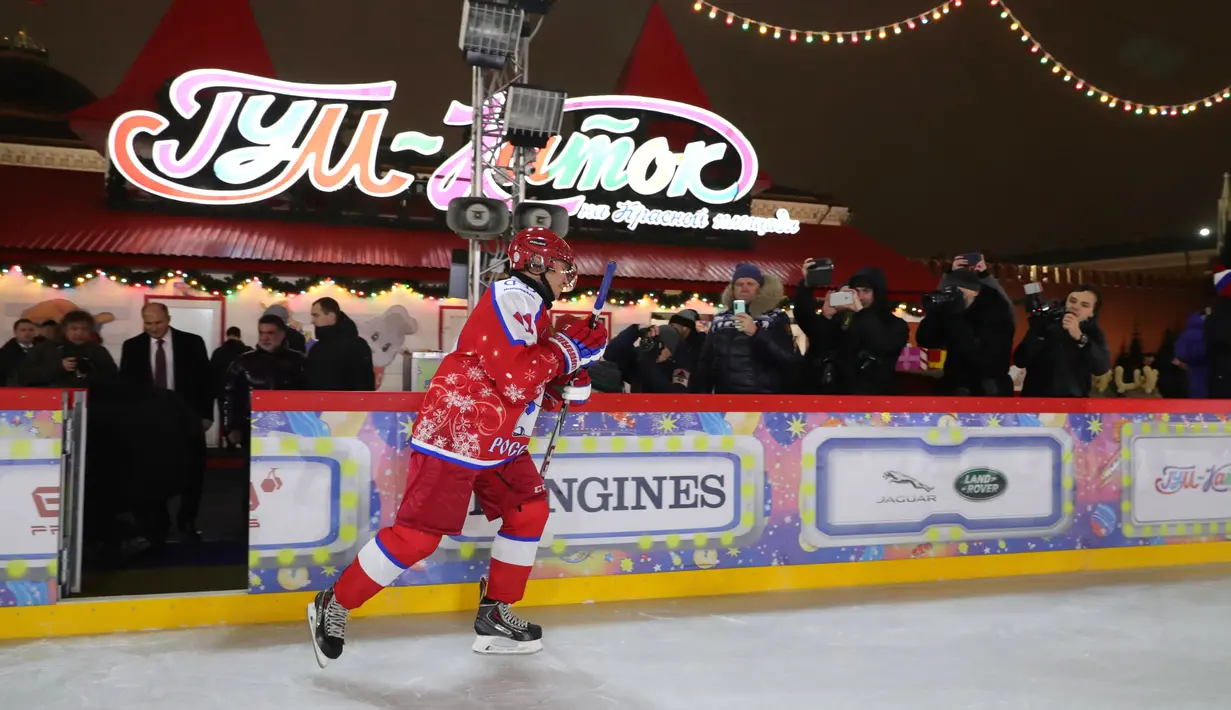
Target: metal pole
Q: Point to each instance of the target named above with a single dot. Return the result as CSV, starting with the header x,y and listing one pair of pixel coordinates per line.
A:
x,y
476,180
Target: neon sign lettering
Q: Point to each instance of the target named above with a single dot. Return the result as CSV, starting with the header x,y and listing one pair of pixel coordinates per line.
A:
x,y
300,143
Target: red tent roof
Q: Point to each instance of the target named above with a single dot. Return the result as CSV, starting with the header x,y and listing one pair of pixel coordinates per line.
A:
x,y
56,216
194,34
658,66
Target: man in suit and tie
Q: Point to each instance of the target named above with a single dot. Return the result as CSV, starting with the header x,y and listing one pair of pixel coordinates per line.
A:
x,y
177,361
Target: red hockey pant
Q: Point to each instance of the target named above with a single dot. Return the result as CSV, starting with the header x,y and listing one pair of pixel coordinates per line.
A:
x,y
435,504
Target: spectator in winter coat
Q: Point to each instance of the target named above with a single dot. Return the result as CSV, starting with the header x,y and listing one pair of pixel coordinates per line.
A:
x,y
851,349
75,361
220,363
658,359
1190,351
1061,357
976,329
339,361
15,350
271,366
749,352
1218,348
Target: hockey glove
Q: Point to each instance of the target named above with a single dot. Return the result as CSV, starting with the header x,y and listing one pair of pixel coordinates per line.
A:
x,y
579,343
560,390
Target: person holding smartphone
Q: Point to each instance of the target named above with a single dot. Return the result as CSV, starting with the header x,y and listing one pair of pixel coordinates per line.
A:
x,y
855,340
750,348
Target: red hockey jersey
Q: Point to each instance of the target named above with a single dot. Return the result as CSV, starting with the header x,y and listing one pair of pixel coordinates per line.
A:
x,y
481,405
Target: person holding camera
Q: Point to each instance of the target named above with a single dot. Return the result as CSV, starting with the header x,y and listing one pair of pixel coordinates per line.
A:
x,y
69,362
750,348
1064,348
971,321
854,344
658,359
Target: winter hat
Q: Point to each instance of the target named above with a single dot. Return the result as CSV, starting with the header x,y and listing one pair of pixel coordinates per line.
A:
x,y
687,318
962,278
670,337
748,271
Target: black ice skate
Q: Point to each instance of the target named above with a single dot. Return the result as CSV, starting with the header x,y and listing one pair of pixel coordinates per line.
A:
x,y
327,624
499,631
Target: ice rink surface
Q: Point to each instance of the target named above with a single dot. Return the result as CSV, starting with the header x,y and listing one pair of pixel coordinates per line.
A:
x,y
1146,640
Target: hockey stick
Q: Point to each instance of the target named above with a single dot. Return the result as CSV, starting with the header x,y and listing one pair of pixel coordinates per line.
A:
x,y
599,302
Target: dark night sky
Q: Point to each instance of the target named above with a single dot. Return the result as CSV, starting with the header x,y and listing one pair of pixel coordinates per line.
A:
x,y
950,139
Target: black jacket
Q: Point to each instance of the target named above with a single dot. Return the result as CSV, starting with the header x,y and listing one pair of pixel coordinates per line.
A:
x,y
1057,365
642,371
44,365
979,344
851,353
1218,349
734,363
11,357
220,364
190,364
340,360
281,369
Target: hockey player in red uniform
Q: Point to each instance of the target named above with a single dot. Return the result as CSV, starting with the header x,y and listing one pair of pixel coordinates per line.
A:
x,y
471,435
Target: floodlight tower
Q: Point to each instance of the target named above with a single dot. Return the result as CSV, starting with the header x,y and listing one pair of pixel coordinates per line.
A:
x,y
495,41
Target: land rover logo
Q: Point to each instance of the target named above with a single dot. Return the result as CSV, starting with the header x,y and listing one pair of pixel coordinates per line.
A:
x,y
981,484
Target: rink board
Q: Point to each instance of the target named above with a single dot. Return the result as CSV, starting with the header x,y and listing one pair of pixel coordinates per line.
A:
x,y
677,496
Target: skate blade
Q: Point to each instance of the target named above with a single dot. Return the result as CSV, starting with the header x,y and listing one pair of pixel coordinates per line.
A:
x,y
321,659
498,646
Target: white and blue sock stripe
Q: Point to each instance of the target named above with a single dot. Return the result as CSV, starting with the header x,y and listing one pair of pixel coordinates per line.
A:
x,y
514,550
380,566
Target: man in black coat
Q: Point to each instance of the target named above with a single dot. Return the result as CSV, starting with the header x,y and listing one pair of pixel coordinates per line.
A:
x,y
15,350
852,349
1061,357
975,326
340,360
271,366
176,361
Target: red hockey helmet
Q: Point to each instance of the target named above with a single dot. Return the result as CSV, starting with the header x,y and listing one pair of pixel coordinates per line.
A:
x,y
537,250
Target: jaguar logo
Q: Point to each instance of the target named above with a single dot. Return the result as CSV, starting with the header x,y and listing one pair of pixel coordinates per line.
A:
x,y
902,478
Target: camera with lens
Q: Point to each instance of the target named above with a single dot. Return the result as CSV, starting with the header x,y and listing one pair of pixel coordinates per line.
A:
x,y
648,343
85,366
944,299
1039,311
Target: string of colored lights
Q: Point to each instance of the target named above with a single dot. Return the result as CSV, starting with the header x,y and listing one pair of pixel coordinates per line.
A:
x,y
1111,100
935,14
1058,68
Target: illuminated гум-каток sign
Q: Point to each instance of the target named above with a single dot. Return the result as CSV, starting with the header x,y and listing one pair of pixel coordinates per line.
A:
x,y
300,142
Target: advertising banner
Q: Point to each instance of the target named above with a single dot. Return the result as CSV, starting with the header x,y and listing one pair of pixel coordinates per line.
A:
x,y
30,464
1176,477
650,492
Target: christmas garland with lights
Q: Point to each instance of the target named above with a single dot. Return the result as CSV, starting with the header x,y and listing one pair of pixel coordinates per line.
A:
x,y
72,277
937,13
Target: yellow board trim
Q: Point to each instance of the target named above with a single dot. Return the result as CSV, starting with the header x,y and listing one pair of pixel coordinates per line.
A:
x,y
102,616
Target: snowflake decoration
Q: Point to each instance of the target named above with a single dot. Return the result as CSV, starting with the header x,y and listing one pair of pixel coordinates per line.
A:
x,y
475,373
466,444
485,392
513,392
453,379
459,400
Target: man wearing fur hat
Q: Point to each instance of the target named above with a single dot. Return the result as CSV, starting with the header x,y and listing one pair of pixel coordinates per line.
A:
x,y
969,319
750,348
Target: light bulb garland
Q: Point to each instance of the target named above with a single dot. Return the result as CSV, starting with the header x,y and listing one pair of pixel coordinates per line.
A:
x,y
1110,100
1057,68
65,279
810,36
